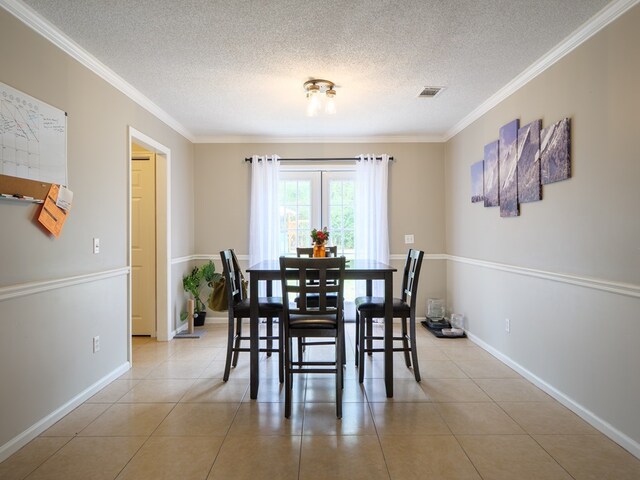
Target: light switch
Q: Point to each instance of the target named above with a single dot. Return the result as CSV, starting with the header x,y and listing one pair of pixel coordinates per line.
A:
x,y
96,245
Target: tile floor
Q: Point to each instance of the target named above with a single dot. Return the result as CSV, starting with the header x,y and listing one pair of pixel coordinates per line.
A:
x,y
171,416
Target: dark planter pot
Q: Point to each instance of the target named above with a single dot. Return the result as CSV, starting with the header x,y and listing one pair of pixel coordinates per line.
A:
x,y
198,318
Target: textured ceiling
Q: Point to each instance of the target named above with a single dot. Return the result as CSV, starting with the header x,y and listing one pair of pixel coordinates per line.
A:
x,y
236,68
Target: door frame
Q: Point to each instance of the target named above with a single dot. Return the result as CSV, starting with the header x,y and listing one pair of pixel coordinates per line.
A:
x,y
164,331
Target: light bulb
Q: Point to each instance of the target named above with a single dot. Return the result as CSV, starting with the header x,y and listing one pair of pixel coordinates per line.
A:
x,y
330,106
313,104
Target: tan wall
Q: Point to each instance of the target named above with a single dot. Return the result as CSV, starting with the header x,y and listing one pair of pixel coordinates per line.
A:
x,y
416,197
580,341
46,357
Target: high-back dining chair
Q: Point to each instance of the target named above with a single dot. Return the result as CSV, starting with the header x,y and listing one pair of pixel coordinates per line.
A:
x,y
239,308
308,251
368,308
312,300
320,278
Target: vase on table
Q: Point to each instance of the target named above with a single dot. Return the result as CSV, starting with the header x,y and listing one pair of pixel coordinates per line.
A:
x,y
319,250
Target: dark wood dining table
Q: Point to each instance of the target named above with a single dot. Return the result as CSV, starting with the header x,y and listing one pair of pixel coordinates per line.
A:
x,y
269,271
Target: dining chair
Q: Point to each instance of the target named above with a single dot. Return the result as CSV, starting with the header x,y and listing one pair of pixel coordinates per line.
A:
x,y
311,299
302,278
308,251
368,308
239,308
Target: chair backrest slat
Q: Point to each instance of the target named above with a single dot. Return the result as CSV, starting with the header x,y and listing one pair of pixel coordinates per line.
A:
x,y
319,277
411,275
233,276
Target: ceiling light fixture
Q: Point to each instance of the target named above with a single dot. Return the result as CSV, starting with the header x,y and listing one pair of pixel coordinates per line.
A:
x,y
320,96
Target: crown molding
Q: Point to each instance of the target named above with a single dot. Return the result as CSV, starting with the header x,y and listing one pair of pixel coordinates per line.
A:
x,y
600,20
40,25
373,139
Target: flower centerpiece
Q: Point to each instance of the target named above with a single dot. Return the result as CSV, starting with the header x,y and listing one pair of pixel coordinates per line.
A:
x,y
319,238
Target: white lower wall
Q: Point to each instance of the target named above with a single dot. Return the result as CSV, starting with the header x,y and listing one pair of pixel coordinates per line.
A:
x,y
578,343
46,349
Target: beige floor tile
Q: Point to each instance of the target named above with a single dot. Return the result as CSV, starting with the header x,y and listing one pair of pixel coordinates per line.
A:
x,y
166,390
464,353
489,368
546,418
404,390
320,419
138,371
178,369
96,458
193,419
374,367
432,457
258,418
272,457
128,419
430,353
512,390
348,457
271,391
76,420
114,391
216,370
215,390
324,390
408,419
591,457
511,457
453,390
158,459
440,369
30,457
477,419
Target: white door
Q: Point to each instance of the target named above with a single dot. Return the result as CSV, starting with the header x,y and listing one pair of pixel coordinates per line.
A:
x,y
143,244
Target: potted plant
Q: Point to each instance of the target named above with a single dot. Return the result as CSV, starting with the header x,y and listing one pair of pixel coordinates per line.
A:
x,y
192,284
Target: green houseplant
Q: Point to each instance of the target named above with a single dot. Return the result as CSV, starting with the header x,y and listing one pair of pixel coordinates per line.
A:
x,y
192,284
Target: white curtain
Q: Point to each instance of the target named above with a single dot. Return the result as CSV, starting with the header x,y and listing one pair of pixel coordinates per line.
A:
x,y
263,218
371,221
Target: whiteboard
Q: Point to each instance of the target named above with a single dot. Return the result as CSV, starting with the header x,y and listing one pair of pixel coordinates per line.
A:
x,y
33,138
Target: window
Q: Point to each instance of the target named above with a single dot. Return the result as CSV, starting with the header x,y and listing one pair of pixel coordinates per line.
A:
x,y
314,199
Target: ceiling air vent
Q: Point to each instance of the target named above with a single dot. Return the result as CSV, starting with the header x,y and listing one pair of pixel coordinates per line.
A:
x,y
430,92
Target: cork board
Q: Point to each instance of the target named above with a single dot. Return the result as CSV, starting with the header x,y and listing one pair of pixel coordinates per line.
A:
x,y
22,186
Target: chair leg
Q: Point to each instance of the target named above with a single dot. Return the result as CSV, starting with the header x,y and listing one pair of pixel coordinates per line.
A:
x,y
405,342
356,346
300,348
362,349
237,342
269,335
414,349
339,373
288,386
369,334
281,348
227,363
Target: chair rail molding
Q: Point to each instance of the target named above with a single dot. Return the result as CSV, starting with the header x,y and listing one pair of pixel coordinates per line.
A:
x,y
31,288
619,288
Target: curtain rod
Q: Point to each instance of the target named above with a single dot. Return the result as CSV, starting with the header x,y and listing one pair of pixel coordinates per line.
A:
x,y
329,159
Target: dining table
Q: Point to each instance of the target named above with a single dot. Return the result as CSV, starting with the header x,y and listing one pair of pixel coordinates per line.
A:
x,y
268,271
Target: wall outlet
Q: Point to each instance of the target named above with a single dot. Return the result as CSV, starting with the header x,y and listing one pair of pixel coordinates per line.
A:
x,y
96,344
408,239
507,325
96,245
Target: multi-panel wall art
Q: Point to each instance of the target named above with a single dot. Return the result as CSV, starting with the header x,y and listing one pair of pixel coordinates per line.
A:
x,y
517,165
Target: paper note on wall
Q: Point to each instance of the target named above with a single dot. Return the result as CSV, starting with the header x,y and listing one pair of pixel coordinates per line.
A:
x,y
52,216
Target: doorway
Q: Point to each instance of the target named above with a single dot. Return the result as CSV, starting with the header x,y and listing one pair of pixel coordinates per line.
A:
x,y
143,241
159,290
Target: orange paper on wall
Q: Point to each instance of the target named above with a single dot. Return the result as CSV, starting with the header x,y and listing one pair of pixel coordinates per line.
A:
x,y
52,216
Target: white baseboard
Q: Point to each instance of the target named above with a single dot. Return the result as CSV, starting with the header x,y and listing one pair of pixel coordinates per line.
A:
x,y
606,428
20,440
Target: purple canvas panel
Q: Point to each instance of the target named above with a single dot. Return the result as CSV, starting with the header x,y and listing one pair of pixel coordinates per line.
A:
x,y
508,167
477,182
529,189
555,146
491,174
